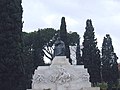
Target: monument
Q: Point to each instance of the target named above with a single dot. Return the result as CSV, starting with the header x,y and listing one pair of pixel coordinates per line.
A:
x,y
61,75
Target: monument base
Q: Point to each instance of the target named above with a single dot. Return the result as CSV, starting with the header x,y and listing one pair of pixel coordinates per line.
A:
x,y
88,88
60,75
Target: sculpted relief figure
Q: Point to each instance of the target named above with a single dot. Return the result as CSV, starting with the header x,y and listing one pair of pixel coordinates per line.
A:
x,y
59,49
60,76
64,77
38,78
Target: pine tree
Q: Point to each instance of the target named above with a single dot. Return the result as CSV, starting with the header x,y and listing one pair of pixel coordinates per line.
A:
x,y
34,42
38,49
91,53
11,63
63,36
109,62
78,54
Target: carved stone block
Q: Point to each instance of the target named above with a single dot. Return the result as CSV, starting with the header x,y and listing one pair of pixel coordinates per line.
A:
x,y
60,75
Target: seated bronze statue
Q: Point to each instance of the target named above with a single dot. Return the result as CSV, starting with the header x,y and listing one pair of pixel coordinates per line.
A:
x,y
59,49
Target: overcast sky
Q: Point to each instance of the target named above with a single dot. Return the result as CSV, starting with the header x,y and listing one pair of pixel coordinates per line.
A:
x,y
105,16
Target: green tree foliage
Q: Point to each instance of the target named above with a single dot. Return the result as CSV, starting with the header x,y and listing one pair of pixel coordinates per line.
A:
x,y
64,38
28,57
11,63
47,38
37,49
78,54
33,54
35,42
33,50
91,53
47,34
72,38
109,62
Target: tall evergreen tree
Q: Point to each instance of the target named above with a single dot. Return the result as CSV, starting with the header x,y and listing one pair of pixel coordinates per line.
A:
x,y
109,62
63,36
11,63
78,54
91,53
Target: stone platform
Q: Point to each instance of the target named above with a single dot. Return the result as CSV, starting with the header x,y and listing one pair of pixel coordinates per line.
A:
x,y
60,75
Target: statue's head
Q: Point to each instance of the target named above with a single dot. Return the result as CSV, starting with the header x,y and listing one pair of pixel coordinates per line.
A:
x,y
107,35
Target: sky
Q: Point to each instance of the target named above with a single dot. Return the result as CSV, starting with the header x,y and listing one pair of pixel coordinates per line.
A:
x,y
105,16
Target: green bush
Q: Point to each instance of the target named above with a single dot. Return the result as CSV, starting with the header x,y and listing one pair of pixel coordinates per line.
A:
x,y
103,86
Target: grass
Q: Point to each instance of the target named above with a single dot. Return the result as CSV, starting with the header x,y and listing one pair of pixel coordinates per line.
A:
x,y
103,86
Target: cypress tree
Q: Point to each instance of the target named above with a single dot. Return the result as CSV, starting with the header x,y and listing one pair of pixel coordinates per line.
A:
x,y
63,36
11,64
91,53
78,54
109,62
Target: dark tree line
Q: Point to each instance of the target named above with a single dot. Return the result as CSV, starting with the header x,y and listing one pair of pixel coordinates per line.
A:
x,y
102,68
33,50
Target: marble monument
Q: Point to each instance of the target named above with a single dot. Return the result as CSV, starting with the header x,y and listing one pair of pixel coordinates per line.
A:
x,y
61,75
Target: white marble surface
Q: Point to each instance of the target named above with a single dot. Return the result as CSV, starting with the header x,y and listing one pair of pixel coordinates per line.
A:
x,y
90,88
60,75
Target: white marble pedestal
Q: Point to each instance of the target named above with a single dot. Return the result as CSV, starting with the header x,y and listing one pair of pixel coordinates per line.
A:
x,y
60,75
